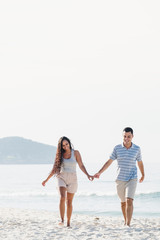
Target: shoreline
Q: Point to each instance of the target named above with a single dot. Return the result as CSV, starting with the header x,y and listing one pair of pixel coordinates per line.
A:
x,y
34,224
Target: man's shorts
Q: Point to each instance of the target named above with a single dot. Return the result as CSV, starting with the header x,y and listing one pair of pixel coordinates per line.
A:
x,y
126,189
68,180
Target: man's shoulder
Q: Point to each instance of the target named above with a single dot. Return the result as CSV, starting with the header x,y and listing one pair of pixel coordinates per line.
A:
x,y
118,146
136,146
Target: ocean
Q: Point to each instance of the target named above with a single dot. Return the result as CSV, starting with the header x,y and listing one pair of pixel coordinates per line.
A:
x,y
20,187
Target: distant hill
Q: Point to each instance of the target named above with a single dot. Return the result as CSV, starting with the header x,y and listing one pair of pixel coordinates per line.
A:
x,y
17,150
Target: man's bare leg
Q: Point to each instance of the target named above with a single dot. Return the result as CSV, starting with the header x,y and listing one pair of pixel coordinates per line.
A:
x,y
123,207
62,203
129,210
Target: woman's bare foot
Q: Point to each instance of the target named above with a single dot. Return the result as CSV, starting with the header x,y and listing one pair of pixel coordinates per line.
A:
x,y
68,224
61,223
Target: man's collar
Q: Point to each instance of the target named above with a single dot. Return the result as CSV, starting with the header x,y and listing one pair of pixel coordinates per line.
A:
x,y
132,146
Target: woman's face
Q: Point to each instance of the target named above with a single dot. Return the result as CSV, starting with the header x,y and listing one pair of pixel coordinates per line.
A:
x,y
65,145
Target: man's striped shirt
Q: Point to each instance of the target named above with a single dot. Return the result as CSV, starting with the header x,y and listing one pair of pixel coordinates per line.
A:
x,y
126,161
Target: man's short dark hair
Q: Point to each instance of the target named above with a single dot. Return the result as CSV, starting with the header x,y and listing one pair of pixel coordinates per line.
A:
x,y
128,129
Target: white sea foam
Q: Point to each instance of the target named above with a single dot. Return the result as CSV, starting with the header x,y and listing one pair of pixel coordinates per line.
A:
x,y
79,194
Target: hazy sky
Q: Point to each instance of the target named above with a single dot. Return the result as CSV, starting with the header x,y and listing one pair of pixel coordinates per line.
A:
x,y
84,69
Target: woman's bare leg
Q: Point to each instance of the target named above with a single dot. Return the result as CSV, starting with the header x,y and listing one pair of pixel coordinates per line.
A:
x,y
62,203
69,207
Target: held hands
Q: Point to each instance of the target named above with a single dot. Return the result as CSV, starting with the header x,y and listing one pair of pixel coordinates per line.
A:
x,y
97,175
90,177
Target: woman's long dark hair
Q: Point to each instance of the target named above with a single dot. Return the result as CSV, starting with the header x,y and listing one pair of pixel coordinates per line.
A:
x,y
59,155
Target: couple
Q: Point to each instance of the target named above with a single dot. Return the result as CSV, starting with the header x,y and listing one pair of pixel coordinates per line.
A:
x,y
126,155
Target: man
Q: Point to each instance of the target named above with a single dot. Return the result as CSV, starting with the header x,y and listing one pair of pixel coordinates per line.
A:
x,y
126,154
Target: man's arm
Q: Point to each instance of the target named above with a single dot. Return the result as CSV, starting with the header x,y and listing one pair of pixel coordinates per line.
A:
x,y
105,166
141,168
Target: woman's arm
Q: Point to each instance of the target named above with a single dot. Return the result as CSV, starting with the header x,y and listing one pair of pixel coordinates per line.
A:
x,y
50,175
81,165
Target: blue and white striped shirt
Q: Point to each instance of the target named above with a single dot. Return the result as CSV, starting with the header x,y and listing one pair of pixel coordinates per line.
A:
x,y
126,161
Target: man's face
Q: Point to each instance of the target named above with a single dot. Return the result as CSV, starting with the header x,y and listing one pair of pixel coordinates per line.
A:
x,y
127,138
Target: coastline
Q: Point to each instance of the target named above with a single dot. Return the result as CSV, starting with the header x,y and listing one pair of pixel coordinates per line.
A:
x,y
33,224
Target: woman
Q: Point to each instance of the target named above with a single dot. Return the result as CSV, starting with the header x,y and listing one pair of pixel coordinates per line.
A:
x,y
65,170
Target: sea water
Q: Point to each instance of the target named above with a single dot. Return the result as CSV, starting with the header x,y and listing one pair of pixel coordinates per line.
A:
x,y
20,187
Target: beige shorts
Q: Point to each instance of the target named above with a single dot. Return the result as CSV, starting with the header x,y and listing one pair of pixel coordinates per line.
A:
x,y
68,180
126,189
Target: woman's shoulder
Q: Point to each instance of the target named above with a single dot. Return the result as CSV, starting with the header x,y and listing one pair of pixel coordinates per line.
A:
x,y
76,152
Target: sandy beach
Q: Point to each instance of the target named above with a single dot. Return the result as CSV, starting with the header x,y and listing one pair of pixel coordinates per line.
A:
x,y
43,225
